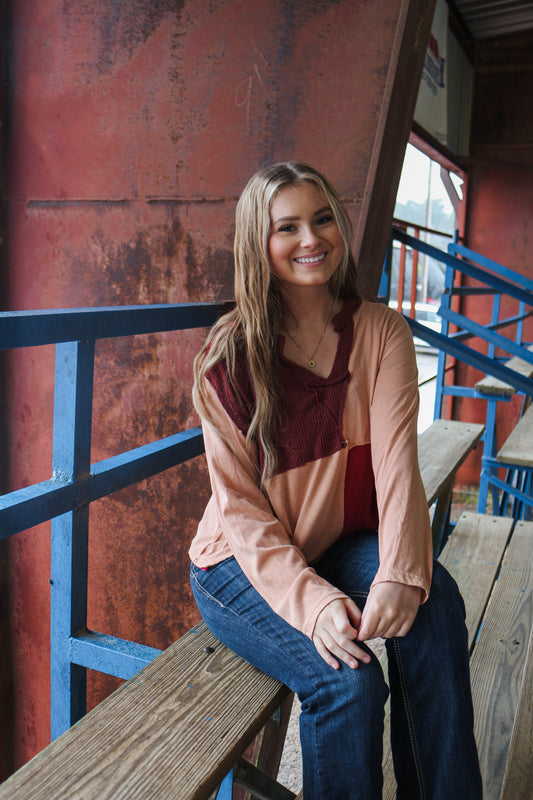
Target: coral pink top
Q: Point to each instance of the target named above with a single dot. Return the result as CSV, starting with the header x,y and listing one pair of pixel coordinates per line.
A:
x,y
348,462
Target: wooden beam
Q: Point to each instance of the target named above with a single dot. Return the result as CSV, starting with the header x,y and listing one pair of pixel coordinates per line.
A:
x,y
395,118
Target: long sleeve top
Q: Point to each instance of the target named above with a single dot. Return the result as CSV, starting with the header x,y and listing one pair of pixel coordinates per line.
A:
x,y
347,461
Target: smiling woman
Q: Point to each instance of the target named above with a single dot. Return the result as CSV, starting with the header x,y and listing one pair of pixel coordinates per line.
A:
x,y
306,248
305,244
316,537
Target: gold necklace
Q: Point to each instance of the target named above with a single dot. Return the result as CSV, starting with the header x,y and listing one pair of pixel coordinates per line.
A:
x,y
311,363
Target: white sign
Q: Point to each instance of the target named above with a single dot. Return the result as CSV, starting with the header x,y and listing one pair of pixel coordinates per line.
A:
x,y
431,105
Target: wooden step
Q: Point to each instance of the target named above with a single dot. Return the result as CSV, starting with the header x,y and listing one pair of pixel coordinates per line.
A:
x,y
491,385
518,448
472,555
499,658
518,778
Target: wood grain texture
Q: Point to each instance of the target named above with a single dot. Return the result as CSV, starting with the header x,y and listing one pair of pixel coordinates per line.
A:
x,y
473,555
442,448
518,448
497,663
491,385
518,778
161,733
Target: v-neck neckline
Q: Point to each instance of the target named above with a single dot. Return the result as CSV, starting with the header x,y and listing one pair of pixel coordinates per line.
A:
x,y
343,325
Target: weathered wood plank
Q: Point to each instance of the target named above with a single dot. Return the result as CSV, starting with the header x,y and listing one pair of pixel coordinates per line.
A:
x,y
518,778
442,448
148,740
497,663
518,448
472,555
491,385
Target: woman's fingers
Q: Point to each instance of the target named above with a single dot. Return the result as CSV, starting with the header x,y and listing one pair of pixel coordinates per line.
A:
x,y
389,611
334,635
324,652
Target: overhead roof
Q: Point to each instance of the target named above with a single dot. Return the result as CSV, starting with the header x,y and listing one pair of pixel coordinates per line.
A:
x,y
487,18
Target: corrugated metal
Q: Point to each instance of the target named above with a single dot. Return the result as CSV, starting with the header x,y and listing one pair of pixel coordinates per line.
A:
x,y
486,18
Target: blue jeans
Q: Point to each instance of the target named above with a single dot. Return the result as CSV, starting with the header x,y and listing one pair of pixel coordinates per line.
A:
x,y
342,711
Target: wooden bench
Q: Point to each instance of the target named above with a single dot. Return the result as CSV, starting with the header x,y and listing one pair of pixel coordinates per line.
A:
x,y
495,575
177,728
442,448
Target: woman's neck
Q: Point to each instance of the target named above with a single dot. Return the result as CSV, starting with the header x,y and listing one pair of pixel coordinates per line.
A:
x,y
306,311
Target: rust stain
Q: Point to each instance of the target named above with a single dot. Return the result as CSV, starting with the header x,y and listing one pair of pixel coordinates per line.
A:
x,y
120,25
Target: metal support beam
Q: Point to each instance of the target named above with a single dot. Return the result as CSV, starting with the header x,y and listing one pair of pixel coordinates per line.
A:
x,y
70,531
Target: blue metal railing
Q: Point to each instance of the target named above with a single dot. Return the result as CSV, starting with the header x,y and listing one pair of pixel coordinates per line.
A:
x,y
495,281
75,482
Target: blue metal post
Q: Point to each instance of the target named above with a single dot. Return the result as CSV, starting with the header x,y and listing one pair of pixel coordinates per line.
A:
x,y
489,450
225,791
386,275
441,359
69,556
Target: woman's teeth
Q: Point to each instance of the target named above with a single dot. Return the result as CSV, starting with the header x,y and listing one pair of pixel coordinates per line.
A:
x,y
310,259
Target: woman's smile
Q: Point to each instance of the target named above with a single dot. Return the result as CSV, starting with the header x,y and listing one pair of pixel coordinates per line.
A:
x,y
311,259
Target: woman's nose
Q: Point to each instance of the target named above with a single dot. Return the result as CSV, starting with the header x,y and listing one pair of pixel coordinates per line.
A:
x,y
309,237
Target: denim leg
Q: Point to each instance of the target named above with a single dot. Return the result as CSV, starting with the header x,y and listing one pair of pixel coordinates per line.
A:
x,y
432,738
341,721
341,725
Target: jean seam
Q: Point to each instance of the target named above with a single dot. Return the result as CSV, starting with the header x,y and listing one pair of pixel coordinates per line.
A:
x,y
242,619
410,723
205,592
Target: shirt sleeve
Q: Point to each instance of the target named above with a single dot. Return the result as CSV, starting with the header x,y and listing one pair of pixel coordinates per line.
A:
x,y
405,543
261,545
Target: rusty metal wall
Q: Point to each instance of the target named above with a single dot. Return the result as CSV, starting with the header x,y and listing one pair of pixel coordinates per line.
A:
x,y
132,126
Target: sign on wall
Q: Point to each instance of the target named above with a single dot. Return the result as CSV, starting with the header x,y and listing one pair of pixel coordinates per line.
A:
x,y
431,104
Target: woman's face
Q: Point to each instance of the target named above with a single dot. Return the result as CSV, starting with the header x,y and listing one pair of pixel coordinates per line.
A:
x,y
305,245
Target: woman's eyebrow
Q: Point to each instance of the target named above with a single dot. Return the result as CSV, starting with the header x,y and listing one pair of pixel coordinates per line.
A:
x,y
292,219
285,219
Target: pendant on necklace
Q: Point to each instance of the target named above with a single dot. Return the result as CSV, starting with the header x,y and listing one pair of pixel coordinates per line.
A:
x,y
311,364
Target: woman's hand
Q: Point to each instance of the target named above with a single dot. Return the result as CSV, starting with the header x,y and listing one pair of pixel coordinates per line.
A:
x,y
389,611
335,633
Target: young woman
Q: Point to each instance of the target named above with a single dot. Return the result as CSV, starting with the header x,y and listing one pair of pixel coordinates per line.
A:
x,y
317,537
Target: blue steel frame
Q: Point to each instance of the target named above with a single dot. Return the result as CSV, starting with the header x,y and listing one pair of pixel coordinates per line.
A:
x,y
496,281
75,482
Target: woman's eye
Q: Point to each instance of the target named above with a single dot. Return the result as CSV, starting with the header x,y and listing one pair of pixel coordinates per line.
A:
x,y
325,219
287,228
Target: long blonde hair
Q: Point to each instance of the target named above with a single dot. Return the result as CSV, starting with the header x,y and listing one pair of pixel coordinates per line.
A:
x,y
253,326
